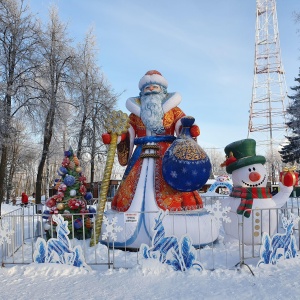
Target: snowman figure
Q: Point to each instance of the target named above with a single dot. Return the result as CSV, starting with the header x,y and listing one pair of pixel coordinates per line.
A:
x,y
252,205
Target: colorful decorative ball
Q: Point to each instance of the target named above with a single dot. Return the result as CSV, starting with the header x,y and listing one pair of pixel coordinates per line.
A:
x,y
72,193
54,210
92,211
60,206
46,214
82,203
74,204
88,223
47,226
62,187
68,153
76,160
50,202
82,190
78,223
88,196
62,171
82,179
65,162
57,184
78,169
69,180
72,165
67,215
59,197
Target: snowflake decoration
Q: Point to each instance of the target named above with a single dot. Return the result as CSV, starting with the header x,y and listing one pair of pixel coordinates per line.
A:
x,y
219,213
111,228
294,218
174,174
5,234
194,172
184,170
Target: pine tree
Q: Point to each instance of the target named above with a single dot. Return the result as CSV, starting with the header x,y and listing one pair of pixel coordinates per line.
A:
x,y
291,151
70,199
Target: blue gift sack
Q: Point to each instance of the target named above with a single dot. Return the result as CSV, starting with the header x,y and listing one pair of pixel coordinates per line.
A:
x,y
186,166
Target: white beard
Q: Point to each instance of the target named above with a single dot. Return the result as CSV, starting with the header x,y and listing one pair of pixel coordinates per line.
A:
x,y
152,112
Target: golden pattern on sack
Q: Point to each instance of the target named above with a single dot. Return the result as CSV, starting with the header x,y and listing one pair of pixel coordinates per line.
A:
x,y
188,151
123,153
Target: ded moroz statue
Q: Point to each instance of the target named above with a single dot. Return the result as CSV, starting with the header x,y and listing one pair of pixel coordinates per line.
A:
x,y
155,119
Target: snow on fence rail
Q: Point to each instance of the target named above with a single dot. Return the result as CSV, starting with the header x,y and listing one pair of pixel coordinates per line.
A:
x,y
21,228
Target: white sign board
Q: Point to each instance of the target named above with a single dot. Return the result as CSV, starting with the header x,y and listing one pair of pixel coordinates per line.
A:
x,y
131,217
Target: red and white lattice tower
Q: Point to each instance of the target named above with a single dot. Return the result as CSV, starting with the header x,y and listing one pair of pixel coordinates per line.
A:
x,y
267,122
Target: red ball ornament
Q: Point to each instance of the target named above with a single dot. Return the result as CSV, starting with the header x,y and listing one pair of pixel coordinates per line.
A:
x,y
72,203
60,196
289,178
51,202
65,162
62,187
82,179
82,190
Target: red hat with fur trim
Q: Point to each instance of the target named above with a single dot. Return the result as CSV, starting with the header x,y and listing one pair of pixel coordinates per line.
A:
x,y
152,77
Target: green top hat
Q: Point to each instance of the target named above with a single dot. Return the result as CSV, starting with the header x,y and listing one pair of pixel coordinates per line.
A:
x,y
244,153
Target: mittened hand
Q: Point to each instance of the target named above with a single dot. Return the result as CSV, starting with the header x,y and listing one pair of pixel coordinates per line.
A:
x,y
289,178
106,138
122,137
195,131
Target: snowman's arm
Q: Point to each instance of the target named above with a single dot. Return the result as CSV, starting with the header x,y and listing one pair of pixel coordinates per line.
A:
x,y
283,195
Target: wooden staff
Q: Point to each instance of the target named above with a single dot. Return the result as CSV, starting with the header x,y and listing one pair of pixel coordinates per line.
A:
x,y
116,124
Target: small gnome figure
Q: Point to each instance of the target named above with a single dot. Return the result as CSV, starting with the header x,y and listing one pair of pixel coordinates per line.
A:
x,y
250,192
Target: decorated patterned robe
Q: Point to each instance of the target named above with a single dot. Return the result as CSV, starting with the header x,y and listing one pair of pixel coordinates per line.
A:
x,y
143,187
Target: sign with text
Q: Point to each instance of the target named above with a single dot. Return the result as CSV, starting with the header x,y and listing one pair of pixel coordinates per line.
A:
x,y
131,217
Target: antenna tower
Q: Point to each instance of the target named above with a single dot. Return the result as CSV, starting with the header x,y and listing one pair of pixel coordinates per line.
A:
x,y
267,123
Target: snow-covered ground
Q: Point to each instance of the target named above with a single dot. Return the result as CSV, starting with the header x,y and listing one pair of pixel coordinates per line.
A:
x,y
151,280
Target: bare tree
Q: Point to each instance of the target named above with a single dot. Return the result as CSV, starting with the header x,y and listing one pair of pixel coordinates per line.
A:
x,y
95,99
216,158
274,164
17,150
18,40
53,74
88,89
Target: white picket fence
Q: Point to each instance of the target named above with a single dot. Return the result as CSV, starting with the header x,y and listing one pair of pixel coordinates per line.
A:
x,y
23,227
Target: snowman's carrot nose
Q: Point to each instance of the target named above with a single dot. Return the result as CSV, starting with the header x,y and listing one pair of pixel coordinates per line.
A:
x,y
254,176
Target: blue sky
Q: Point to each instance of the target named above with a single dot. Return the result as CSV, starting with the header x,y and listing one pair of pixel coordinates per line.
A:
x,y
205,49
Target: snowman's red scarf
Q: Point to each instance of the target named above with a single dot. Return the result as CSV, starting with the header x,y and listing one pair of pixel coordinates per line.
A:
x,y
247,195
